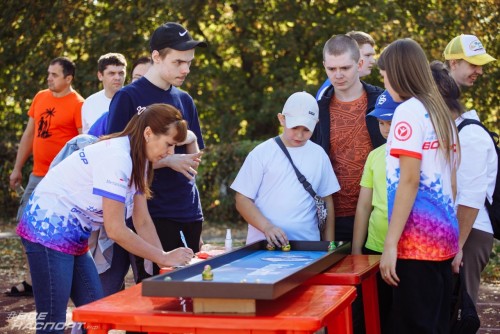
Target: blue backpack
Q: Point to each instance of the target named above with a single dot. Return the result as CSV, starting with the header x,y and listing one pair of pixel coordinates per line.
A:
x,y
493,207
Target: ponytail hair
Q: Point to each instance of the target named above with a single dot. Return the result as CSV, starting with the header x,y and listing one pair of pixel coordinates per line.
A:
x,y
161,118
447,87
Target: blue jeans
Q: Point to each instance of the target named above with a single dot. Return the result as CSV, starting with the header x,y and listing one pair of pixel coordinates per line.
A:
x,y
57,277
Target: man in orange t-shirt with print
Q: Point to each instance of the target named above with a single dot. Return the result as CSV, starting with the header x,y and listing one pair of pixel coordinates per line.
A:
x,y
54,118
344,131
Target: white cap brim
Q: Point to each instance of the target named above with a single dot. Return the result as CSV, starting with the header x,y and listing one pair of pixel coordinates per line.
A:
x,y
308,122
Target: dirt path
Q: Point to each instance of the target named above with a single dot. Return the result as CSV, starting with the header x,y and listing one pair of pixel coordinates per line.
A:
x,y
17,315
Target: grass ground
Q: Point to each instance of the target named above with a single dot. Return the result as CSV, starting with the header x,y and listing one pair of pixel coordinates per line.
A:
x,y
492,272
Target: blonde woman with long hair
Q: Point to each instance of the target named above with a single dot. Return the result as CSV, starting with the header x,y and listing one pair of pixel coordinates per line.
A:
x,y
422,154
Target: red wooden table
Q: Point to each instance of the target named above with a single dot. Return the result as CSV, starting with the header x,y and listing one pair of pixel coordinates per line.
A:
x,y
305,309
357,270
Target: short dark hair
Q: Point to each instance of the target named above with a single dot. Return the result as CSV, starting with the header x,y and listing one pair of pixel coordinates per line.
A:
x,y
116,59
141,60
68,66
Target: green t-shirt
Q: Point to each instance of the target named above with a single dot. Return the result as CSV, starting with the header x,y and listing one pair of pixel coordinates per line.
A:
x,y
375,179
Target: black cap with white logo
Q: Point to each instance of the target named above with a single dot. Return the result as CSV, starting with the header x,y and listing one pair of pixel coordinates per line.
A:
x,y
173,35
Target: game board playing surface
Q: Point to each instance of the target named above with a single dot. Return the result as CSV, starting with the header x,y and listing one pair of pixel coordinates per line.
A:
x,y
248,272
262,266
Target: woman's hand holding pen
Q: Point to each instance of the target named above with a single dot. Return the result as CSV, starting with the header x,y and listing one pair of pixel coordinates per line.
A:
x,y
178,257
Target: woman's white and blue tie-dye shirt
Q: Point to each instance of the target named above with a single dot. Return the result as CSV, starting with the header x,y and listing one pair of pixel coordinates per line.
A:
x,y
67,204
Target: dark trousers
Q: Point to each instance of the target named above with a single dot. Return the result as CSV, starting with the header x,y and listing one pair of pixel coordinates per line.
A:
x,y
477,250
169,234
422,299
344,227
113,279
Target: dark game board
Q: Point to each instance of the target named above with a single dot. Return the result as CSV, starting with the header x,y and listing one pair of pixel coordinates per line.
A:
x,y
251,272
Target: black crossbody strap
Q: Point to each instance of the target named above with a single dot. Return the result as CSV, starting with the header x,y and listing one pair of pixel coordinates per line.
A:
x,y
302,178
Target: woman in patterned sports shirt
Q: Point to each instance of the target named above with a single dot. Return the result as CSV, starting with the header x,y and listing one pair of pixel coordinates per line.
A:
x,y
101,184
421,158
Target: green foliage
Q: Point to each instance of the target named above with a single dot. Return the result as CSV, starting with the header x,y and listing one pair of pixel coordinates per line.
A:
x,y
491,273
259,53
217,171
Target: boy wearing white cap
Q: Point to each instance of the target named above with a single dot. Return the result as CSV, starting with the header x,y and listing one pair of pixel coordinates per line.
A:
x,y
465,57
269,195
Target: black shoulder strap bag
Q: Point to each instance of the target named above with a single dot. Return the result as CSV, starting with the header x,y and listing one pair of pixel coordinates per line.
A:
x,y
320,203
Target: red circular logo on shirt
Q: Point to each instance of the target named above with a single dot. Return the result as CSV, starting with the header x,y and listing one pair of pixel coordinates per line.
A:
x,y
402,131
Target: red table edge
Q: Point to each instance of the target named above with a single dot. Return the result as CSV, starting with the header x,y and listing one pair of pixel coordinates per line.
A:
x,y
345,276
97,323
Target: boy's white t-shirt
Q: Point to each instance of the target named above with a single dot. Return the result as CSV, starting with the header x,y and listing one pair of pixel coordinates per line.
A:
x,y
268,178
67,203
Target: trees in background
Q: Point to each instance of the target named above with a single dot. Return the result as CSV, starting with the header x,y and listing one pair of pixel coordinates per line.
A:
x,y
259,53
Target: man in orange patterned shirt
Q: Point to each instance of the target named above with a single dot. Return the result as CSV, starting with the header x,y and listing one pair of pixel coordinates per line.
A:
x,y
344,131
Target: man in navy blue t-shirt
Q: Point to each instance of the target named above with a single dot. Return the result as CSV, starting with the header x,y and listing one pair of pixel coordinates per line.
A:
x,y
175,205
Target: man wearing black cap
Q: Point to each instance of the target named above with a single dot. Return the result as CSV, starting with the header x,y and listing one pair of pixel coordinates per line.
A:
x,y
175,205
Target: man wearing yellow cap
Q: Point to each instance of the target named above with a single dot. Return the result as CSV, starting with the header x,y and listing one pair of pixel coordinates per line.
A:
x,y
465,57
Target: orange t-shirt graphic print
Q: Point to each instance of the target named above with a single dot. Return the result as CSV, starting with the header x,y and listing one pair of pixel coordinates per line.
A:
x,y
57,120
43,129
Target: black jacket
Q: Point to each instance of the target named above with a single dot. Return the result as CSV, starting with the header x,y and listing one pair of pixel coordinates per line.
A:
x,y
321,134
